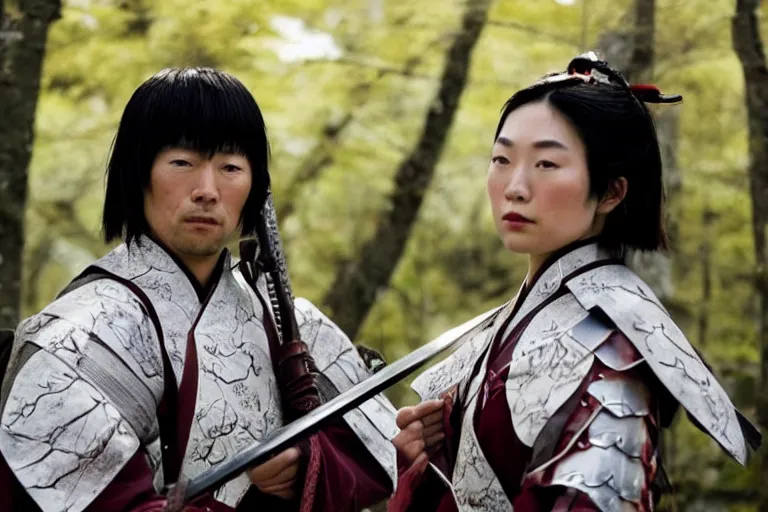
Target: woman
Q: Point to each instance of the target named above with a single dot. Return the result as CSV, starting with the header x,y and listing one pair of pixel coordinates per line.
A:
x,y
557,399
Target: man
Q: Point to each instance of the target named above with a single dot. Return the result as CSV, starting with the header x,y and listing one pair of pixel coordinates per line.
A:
x,y
160,360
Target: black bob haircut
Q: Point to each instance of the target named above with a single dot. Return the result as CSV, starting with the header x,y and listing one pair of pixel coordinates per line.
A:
x,y
200,109
619,135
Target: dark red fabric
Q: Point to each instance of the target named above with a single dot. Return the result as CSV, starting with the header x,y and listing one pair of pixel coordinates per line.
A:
x,y
14,497
349,477
313,461
132,491
411,477
493,428
346,477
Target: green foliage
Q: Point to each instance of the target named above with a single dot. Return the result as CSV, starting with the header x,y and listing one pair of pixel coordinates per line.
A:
x,y
390,53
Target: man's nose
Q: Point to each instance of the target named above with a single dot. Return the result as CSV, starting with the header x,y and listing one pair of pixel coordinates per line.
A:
x,y
206,189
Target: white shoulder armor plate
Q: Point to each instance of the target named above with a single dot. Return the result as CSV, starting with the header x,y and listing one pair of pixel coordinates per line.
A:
x,y
637,312
83,401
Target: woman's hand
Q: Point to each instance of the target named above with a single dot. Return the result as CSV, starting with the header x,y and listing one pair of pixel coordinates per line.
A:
x,y
421,429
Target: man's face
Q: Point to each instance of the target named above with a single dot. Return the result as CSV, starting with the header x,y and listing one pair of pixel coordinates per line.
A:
x,y
193,204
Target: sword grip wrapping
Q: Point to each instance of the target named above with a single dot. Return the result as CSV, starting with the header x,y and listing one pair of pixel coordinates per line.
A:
x,y
298,380
175,496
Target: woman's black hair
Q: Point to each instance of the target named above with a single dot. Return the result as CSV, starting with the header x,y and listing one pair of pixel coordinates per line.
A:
x,y
200,109
619,135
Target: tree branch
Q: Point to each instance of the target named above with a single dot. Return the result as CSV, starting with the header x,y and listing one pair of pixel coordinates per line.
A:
x,y
534,31
321,156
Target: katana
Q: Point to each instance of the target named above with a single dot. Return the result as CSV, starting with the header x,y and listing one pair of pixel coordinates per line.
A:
x,y
290,434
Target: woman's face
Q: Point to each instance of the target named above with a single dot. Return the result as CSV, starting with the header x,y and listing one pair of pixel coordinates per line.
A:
x,y
538,183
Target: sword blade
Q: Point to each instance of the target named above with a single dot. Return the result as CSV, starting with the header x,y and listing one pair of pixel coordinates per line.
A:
x,y
288,435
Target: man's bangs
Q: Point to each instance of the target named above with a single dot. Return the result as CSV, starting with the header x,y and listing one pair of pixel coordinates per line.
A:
x,y
208,116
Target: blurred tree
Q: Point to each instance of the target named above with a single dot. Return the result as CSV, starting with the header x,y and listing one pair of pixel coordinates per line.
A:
x,y
23,36
357,283
633,53
749,47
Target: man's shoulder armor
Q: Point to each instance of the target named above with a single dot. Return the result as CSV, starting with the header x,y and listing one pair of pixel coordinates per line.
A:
x,y
95,351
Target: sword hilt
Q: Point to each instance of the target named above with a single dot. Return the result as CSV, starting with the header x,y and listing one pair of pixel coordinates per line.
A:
x,y
175,494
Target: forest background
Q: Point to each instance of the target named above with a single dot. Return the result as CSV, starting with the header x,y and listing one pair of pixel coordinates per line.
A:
x,y
381,115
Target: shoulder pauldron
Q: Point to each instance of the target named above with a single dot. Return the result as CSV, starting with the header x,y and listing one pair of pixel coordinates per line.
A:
x,y
637,312
555,352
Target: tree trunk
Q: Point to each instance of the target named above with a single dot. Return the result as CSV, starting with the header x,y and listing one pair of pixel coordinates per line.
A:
x,y
656,267
22,48
358,281
641,62
749,49
320,157
633,54
705,253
